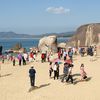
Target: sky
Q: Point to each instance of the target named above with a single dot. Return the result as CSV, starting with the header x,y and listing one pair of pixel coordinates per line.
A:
x,y
47,16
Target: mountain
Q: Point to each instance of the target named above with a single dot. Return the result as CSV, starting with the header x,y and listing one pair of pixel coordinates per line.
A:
x,y
63,34
11,34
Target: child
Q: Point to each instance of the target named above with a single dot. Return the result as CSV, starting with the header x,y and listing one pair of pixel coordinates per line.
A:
x,y
82,72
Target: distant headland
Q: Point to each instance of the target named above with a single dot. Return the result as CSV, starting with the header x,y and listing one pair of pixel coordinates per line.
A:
x,y
12,34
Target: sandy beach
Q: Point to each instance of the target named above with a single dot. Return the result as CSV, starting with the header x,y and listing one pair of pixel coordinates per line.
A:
x,y
15,82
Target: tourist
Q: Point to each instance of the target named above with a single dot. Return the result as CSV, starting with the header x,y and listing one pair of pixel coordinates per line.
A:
x,y
70,73
13,61
82,52
55,70
59,55
50,69
25,57
70,54
31,57
32,73
58,69
91,53
65,55
65,71
19,58
3,59
42,57
82,72
48,56
24,61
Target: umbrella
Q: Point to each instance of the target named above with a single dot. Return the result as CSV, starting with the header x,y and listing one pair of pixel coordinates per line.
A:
x,y
68,61
56,60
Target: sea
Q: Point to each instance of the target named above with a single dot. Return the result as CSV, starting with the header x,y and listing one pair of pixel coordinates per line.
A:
x,y
26,42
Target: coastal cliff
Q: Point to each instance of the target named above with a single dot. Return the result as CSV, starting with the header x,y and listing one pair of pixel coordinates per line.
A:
x,y
86,35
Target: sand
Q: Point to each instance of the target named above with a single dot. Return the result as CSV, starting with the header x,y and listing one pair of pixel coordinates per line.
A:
x,y
15,82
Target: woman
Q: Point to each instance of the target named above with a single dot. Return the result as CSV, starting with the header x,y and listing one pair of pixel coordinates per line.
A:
x,y
82,72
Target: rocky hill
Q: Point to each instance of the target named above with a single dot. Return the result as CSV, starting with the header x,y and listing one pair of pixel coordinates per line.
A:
x,y
11,34
86,35
62,34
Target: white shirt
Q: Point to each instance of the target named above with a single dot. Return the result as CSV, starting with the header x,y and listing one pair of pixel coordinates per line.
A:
x,y
55,68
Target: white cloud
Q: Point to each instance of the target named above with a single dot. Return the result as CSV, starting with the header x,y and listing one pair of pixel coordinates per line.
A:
x,y
57,10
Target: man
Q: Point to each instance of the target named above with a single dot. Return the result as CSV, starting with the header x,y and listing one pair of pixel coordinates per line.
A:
x,y
65,71
32,73
55,68
70,73
70,54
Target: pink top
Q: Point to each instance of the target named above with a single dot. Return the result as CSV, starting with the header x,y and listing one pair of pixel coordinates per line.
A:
x,y
82,72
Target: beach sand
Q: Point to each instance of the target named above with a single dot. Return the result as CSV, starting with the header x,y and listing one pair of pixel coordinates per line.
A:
x,y
15,82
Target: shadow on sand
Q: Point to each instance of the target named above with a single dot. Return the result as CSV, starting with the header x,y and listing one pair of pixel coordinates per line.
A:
x,y
85,80
97,56
5,75
94,60
77,74
38,87
60,76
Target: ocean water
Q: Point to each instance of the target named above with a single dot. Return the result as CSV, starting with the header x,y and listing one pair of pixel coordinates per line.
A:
x,y
26,43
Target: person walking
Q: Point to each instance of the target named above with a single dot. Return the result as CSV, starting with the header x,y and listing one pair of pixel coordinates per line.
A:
x,y
70,54
32,73
65,71
55,71
70,73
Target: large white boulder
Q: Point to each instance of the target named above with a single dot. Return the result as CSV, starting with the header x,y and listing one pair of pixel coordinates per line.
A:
x,y
62,45
48,43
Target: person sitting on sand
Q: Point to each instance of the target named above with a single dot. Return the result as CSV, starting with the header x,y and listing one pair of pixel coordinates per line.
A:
x,y
82,72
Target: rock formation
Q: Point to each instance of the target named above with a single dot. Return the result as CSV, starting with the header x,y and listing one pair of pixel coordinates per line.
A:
x,y
98,46
48,43
61,45
85,35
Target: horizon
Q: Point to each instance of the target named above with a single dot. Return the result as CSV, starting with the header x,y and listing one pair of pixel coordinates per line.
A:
x,y
47,16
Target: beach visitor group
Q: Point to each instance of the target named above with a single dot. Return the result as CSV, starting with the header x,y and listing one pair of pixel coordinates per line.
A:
x,y
65,55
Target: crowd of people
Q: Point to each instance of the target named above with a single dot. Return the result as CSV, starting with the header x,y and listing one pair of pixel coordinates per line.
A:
x,y
66,55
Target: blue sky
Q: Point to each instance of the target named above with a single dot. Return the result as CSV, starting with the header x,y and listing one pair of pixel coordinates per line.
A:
x,y
46,16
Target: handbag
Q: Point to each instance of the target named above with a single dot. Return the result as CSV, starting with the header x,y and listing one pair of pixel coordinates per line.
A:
x,y
84,77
